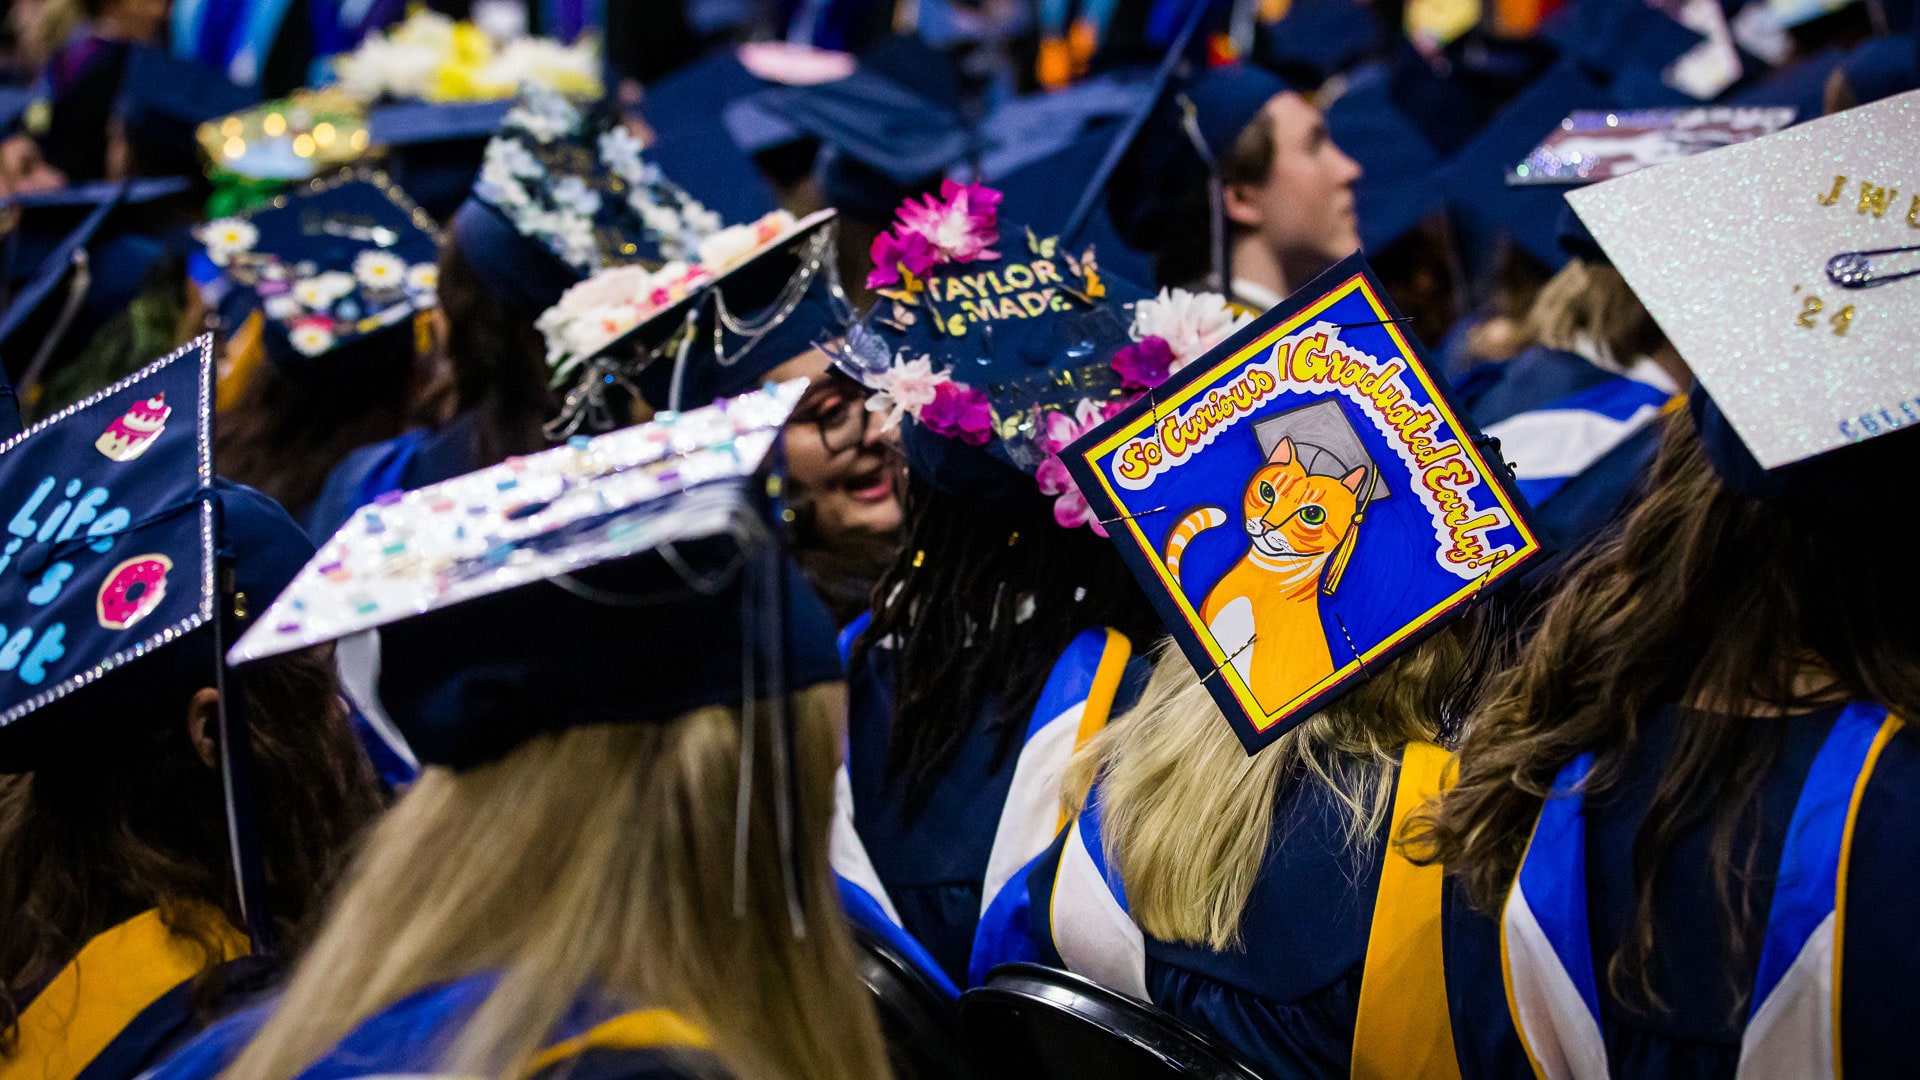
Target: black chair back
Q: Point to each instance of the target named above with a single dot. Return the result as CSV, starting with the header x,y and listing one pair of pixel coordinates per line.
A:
x,y
920,1022
1030,1022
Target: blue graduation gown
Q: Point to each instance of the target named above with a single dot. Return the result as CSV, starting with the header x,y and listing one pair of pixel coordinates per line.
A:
x,y
934,864
409,460
593,1041
1698,1034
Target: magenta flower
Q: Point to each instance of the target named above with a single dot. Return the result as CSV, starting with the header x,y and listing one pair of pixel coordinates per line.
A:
x,y
959,412
1145,364
962,224
1070,509
891,251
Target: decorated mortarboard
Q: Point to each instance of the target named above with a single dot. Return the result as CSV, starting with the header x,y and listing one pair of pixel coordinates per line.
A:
x,y
294,138
164,100
1000,344
1591,145
430,57
1303,502
537,581
1785,271
563,193
680,321
109,546
341,268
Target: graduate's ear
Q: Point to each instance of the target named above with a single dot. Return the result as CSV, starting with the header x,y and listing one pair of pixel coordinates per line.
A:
x,y
203,725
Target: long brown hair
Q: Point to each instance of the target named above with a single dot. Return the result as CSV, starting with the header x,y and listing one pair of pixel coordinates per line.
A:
x,y
498,361
598,859
1740,609
90,839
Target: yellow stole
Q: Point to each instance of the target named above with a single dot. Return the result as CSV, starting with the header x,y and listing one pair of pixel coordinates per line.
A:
x,y
1404,1028
91,1001
646,1029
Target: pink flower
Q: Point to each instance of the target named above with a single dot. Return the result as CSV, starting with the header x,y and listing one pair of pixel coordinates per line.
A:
x,y
1060,429
891,251
959,412
1070,509
1145,364
962,224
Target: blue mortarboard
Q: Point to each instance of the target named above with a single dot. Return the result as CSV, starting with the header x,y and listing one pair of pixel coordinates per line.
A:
x,y
1022,336
433,150
529,597
1316,39
342,269
14,101
561,194
116,527
715,166
163,101
1452,100
1802,85
1475,183
1882,67
85,267
1032,127
1628,46
1395,191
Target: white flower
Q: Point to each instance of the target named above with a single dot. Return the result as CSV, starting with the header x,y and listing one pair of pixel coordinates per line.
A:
x,y
594,313
620,150
380,270
905,389
728,248
512,156
543,114
617,285
228,237
499,186
282,308
573,233
545,63
1190,323
423,278
321,290
699,220
310,337
572,193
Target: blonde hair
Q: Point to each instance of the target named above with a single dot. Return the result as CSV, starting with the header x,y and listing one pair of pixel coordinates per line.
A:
x,y
598,859
1186,814
1588,307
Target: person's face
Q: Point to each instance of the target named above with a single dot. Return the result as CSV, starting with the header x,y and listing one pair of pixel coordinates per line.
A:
x,y
837,454
1304,210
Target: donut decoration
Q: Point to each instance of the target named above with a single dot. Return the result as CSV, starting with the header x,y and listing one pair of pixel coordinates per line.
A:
x,y
129,436
133,590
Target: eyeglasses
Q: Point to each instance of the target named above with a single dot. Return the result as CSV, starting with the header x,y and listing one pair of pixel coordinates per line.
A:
x,y
840,419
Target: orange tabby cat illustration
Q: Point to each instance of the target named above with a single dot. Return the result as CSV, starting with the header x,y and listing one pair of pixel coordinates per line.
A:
x,y
1271,597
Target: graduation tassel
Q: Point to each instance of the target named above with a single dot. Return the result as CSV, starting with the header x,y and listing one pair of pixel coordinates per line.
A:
x,y
743,795
773,639
236,764
1343,553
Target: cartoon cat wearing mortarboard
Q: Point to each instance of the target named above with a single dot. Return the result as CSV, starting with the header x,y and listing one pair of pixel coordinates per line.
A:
x,y
1271,597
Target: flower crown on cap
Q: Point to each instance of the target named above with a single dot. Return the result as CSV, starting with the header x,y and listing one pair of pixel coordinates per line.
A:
x,y
581,185
431,57
380,270
960,226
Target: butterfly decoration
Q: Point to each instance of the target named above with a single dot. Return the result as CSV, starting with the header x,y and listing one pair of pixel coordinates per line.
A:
x,y
911,286
1087,269
1043,248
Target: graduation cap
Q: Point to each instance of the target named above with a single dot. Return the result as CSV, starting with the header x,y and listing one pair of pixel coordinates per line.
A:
x,y
295,138
14,102
1395,192
718,311
433,150
163,101
1629,46
717,166
1882,67
1786,287
988,344
343,270
1475,181
1299,455
1801,85
645,556
564,193
1317,39
1591,145
131,568
78,262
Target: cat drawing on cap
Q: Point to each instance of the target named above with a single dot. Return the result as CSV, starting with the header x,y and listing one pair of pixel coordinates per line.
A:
x,y
1264,612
